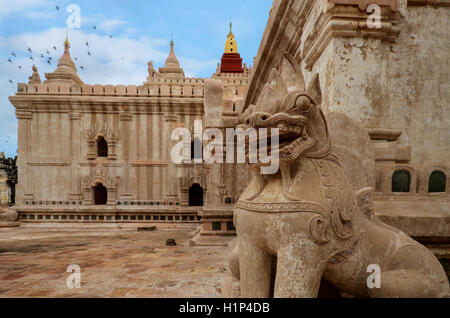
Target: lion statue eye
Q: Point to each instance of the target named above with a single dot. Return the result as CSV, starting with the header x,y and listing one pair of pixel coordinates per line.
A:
x,y
303,104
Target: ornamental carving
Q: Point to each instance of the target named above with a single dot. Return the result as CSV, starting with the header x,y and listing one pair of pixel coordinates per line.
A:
x,y
101,129
98,175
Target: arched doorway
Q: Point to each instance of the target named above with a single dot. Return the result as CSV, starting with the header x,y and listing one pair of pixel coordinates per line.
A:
x,y
102,148
196,195
100,195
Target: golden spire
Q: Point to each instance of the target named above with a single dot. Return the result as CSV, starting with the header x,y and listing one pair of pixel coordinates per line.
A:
x,y
66,43
230,44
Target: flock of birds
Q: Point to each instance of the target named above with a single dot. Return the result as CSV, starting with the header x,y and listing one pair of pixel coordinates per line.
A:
x,y
47,55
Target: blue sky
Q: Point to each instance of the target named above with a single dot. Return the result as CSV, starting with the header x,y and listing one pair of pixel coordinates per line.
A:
x,y
127,35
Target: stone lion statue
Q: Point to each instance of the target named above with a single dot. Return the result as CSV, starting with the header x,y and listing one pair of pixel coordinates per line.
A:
x,y
306,223
7,215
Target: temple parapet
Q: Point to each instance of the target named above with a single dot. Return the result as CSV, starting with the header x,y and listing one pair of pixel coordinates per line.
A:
x,y
185,88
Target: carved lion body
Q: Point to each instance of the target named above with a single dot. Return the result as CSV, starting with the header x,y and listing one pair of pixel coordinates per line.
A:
x,y
7,215
308,222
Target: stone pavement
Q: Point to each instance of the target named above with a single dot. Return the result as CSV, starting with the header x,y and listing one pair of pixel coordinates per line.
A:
x,y
114,262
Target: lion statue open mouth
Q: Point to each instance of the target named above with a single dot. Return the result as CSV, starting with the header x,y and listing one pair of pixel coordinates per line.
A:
x,y
305,223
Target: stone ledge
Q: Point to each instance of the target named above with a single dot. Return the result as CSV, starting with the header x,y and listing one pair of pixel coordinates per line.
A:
x,y
426,219
9,224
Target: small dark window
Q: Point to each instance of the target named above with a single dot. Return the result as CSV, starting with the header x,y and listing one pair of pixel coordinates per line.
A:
x,y
438,182
230,226
217,226
102,147
401,181
228,200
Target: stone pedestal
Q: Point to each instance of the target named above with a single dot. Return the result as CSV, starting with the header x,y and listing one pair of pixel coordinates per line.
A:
x,y
217,226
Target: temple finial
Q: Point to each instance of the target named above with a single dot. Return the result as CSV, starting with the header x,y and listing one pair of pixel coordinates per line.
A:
x,y
230,44
66,42
171,40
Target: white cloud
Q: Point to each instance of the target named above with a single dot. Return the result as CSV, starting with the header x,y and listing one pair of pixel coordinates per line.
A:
x,y
8,7
110,25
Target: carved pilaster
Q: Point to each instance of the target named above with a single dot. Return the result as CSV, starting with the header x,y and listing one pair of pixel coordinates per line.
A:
x,y
170,123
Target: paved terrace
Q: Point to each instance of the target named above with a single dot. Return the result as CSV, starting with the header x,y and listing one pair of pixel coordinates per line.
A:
x,y
115,262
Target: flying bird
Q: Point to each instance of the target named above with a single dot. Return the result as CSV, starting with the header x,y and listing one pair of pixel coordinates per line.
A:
x,y
89,53
49,62
9,60
87,44
55,48
29,50
13,54
111,36
47,52
11,81
95,28
42,55
57,8
20,67
82,67
31,58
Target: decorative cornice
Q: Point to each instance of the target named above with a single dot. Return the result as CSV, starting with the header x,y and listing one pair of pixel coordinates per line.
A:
x,y
347,23
362,4
282,207
24,115
171,117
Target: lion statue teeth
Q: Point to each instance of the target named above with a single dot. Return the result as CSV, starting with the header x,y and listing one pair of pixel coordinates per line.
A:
x,y
306,224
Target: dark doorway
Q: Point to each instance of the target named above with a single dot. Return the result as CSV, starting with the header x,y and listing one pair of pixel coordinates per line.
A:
x,y
401,181
100,195
102,147
196,195
438,181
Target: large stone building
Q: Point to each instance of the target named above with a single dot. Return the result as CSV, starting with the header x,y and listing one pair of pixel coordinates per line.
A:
x,y
102,153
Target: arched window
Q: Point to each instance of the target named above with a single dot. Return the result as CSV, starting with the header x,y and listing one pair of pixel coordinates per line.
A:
x,y
196,195
438,182
100,195
401,181
102,147
196,149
